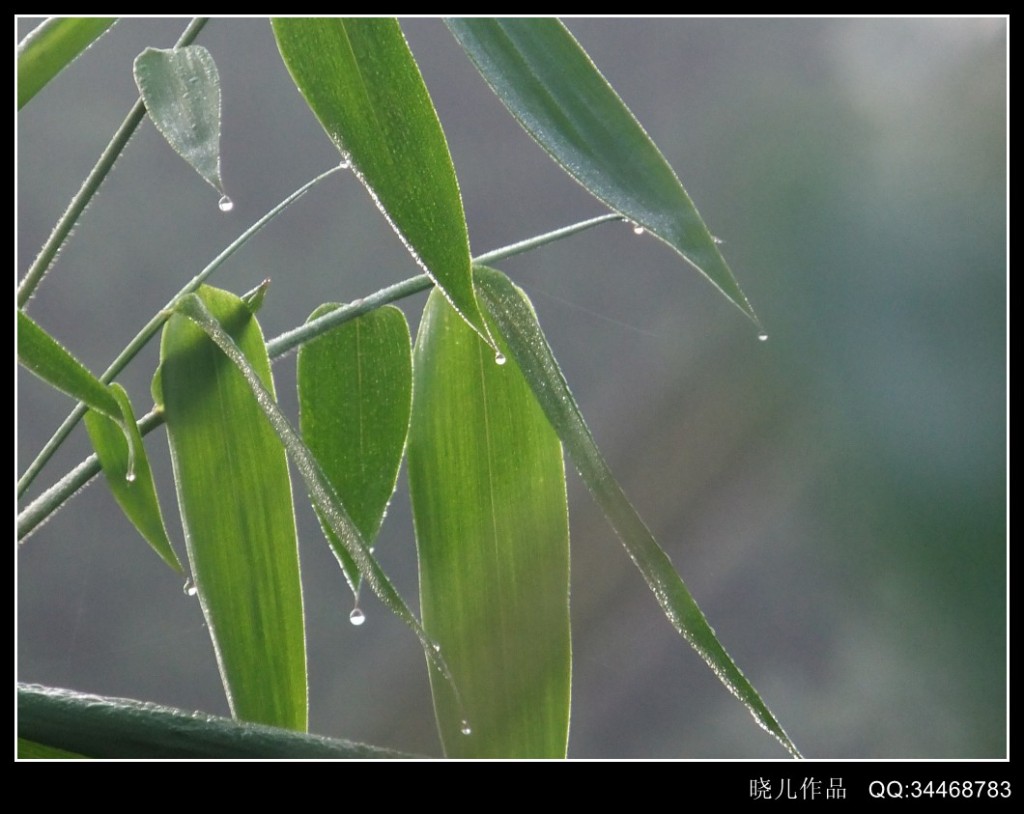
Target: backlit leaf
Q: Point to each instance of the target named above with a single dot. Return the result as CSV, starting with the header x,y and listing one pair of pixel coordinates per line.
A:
x,y
488,492
360,79
235,497
355,395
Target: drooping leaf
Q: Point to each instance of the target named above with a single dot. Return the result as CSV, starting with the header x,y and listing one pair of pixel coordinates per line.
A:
x,y
355,396
235,498
360,79
129,476
488,492
527,345
102,727
54,364
50,47
550,85
325,501
181,89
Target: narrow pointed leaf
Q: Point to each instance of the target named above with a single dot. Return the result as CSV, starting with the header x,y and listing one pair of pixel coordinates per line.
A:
x,y
102,727
355,396
527,345
129,475
181,89
360,79
54,364
550,85
488,491
50,47
325,501
236,506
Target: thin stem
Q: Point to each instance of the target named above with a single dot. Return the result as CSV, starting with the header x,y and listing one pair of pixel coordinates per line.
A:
x,y
303,333
91,185
52,499
151,327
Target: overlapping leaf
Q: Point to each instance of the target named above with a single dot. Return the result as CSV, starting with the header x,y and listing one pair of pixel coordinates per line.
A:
x,y
527,345
355,395
325,501
488,491
550,85
360,79
236,506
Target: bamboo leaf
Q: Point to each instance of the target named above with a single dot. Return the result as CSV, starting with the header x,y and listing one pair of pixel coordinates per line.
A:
x,y
355,396
360,79
54,364
527,345
236,507
181,89
550,85
102,727
129,476
488,491
325,501
51,47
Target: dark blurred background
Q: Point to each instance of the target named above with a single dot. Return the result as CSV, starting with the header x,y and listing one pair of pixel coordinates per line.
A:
x,y
835,497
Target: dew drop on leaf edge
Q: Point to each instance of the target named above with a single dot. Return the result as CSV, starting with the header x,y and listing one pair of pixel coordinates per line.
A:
x,y
225,204
499,358
357,617
189,588
465,728
763,337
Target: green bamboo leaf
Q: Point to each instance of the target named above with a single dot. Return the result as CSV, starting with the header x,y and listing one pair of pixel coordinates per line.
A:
x,y
355,396
181,89
325,501
550,85
129,476
360,79
54,364
488,491
236,507
527,345
50,47
102,727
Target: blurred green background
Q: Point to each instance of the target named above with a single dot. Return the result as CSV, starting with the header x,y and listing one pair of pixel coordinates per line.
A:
x,y
835,497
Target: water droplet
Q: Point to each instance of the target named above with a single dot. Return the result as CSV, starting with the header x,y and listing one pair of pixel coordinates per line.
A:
x,y
763,337
357,617
437,647
638,229
465,728
129,476
499,358
189,588
225,204
717,240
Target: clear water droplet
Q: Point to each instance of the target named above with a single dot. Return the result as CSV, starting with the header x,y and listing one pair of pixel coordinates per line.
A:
x,y
499,358
225,204
763,337
465,728
189,588
129,476
638,229
718,240
437,647
357,617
